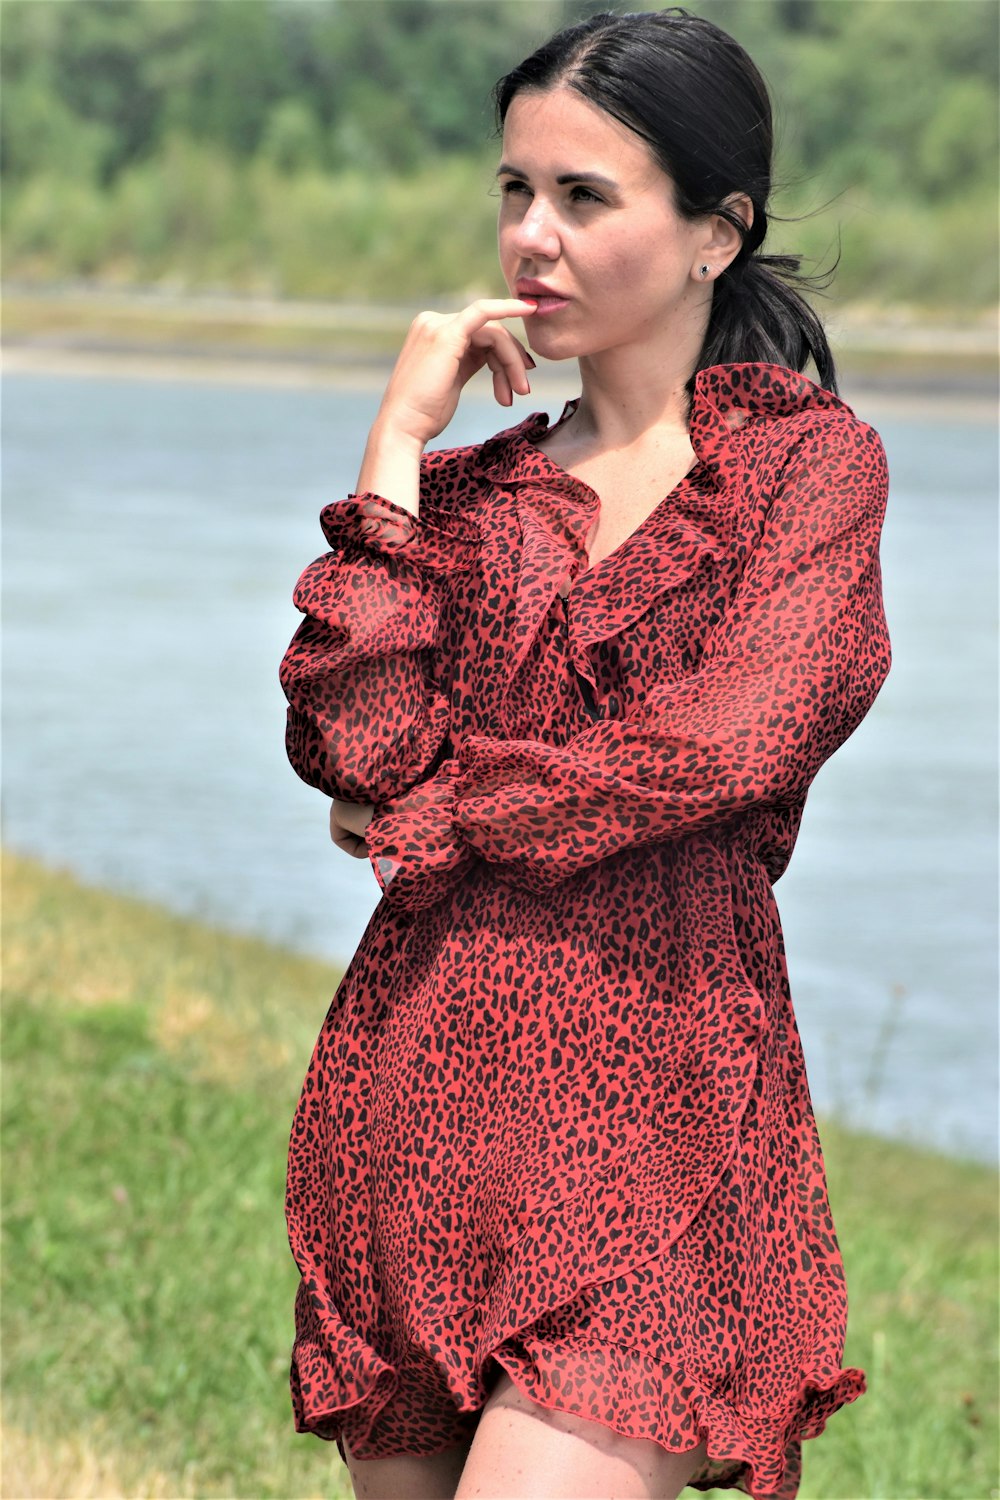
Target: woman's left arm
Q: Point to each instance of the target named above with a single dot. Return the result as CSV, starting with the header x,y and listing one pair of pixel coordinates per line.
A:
x,y
790,672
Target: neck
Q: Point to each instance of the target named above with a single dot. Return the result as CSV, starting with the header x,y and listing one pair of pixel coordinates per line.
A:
x,y
629,390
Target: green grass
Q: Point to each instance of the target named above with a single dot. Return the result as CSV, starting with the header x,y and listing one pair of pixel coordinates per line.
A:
x,y
151,1068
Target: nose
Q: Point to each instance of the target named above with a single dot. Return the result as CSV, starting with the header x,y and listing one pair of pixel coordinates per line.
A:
x,y
536,232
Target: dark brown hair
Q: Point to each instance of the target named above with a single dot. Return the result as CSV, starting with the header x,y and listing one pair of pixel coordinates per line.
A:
x,y
691,92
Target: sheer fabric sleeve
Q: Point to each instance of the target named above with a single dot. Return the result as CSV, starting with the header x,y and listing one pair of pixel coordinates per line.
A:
x,y
789,674
368,716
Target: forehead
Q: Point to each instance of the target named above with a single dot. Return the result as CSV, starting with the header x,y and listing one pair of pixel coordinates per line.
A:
x,y
555,131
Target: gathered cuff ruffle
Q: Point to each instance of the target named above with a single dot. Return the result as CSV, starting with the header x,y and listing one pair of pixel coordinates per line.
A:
x,y
414,846
436,539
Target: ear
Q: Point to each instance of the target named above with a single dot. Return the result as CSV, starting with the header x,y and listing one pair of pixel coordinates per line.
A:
x,y
722,242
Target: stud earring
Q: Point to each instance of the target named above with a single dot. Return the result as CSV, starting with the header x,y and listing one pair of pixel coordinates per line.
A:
x,y
705,270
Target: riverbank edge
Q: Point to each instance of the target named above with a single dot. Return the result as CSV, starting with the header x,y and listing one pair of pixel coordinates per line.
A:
x,y
61,884
899,355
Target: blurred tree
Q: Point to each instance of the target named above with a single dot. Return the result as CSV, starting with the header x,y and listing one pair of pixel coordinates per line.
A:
x,y
425,68
951,153
39,129
860,88
292,137
894,102
388,82
242,71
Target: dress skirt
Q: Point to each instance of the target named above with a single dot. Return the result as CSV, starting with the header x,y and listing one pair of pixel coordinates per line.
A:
x,y
549,1168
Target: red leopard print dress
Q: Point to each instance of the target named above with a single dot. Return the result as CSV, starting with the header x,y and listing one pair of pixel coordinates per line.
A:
x,y
557,1119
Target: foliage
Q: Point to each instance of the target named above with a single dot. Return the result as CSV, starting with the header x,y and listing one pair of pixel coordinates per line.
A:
x,y
377,85
219,143
194,220
151,1067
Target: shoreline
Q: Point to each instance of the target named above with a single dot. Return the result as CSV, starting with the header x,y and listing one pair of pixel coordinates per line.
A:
x,y
19,864
957,395
896,358
954,396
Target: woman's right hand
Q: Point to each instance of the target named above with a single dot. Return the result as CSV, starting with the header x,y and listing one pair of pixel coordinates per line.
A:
x,y
441,354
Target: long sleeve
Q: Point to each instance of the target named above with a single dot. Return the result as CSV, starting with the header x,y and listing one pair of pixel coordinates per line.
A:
x,y
789,673
368,716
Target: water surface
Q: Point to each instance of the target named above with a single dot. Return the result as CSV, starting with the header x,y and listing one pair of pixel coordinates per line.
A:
x,y
153,533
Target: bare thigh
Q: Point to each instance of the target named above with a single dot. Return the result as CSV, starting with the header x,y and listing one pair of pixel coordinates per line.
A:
x,y
407,1478
521,1451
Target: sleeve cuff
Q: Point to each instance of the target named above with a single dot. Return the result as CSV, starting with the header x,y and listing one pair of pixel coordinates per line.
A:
x,y
414,848
436,539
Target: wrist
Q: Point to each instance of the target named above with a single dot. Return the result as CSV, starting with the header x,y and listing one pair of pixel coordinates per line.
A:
x,y
390,438
391,466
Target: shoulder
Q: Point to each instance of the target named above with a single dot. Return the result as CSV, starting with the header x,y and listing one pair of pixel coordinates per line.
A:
x,y
784,422
831,441
791,448
828,466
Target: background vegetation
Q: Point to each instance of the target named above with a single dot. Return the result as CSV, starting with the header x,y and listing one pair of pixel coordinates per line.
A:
x,y
151,1068
311,148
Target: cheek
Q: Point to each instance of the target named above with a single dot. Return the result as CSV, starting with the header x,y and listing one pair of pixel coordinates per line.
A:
x,y
647,246
648,265
631,273
506,254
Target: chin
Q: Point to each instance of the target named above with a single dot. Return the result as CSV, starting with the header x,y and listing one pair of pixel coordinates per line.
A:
x,y
555,355
556,346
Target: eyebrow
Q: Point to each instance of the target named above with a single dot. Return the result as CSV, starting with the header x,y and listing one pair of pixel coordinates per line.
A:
x,y
597,178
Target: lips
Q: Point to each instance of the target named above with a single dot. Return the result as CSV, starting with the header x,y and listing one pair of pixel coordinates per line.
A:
x,y
545,298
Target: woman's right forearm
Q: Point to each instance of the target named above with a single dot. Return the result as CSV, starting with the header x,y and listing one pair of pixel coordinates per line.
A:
x,y
391,468
441,353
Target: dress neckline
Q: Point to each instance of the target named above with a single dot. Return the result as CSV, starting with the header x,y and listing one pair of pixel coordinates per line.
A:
x,y
691,529
540,427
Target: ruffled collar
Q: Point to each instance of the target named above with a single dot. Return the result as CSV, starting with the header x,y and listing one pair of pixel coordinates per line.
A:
x,y
692,527
725,398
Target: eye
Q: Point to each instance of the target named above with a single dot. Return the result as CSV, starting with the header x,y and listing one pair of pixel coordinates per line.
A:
x,y
585,195
513,185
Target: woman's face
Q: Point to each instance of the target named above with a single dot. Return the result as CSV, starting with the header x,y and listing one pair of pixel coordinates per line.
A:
x,y
587,212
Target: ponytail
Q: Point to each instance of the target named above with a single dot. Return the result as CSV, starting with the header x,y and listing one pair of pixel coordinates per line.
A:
x,y
758,315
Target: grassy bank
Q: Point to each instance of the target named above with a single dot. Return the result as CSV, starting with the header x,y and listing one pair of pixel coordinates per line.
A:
x,y
151,1067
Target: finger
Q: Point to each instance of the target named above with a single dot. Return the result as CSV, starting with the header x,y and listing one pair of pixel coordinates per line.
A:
x,y
526,352
338,828
501,385
488,309
506,350
514,369
501,389
354,816
350,843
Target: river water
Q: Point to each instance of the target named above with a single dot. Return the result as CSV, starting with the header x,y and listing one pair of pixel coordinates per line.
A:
x,y
153,533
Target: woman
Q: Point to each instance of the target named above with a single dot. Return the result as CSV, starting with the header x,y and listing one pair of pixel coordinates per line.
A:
x,y
555,1188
